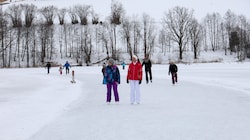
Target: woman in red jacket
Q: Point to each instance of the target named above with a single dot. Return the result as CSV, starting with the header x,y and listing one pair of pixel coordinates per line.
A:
x,y
134,77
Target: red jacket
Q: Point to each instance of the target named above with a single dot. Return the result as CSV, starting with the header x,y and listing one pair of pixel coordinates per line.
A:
x,y
134,71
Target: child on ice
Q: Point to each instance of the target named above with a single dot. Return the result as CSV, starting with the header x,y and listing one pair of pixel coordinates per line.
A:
x,y
60,70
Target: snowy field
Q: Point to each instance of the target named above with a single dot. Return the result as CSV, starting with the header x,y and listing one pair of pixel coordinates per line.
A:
x,y
210,102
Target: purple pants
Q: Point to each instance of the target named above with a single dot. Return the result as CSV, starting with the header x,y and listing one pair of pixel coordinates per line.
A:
x,y
109,87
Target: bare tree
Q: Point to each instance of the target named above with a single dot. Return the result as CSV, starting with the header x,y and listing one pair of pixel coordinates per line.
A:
x,y
17,53
234,40
61,15
195,35
95,19
242,25
15,14
104,37
137,36
45,43
97,24
117,12
230,21
213,26
83,11
49,13
126,34
164,40
73,15
149,34
29,14
223,37
34,45
87,46
177,22
3,36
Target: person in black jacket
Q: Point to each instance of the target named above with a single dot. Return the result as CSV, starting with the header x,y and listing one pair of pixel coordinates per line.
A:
x,y
48,66
148,65
173,69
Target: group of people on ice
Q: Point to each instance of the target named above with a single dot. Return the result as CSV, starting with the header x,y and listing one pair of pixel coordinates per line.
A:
x,y
111,77
67,66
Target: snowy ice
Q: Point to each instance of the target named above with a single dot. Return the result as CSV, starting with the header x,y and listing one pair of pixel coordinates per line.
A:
x,y
209,102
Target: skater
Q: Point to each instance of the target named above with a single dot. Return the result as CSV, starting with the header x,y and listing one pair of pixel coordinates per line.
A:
x,y
123,65
173,69
60,70
134,77
67,66
112,78
103,72
48,66
148,65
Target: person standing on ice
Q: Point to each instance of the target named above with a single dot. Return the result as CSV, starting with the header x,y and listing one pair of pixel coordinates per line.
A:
x,y
67,66
60,70
123,65
173,69
134,77
103,72
48,66
112,79
147,64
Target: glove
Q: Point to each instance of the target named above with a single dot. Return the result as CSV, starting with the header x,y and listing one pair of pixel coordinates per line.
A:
x,y
127,81
139,82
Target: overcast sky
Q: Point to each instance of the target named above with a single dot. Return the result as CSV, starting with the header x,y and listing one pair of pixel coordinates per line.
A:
x,y
156,8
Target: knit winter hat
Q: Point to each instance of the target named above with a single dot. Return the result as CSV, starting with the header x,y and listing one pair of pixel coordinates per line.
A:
x,y
134,56
111,61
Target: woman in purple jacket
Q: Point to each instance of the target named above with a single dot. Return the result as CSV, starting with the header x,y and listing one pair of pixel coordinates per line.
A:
x,y
112,79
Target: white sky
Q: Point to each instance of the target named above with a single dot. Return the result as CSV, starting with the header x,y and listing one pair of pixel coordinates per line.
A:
x,y
156,8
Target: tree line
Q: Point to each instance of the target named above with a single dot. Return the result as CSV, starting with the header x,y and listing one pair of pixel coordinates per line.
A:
x,y
31,36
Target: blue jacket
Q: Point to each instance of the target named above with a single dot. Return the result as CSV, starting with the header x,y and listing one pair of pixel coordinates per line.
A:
x,y
111,75
67,65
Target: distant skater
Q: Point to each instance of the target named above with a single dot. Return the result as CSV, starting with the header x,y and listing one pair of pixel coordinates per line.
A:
x,y
123,65
67,66
173,69
147,65
48,66
60,70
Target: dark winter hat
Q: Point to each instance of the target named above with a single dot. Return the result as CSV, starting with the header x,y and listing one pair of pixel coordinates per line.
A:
x,y
111,61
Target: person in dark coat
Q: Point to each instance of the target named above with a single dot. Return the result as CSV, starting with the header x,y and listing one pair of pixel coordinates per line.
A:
x,y
147,65
173,69
103,73
112,78
48,66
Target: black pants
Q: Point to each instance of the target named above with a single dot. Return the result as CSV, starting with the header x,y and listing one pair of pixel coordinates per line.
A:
x,y
174,77
150,75
48,70
67,70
